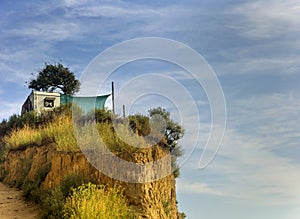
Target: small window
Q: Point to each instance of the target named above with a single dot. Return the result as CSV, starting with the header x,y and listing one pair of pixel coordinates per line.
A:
x,y
49,102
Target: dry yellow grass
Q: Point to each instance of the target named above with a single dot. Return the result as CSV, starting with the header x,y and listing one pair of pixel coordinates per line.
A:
x,y
23,137
59,131
92,201
90,136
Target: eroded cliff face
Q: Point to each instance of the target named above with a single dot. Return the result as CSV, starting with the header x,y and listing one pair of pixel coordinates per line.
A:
x,y
155,200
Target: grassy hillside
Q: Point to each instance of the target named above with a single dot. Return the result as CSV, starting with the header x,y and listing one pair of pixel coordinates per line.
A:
x,y
76,195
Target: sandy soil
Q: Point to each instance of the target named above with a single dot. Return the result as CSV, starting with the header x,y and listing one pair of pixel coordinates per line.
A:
x,y
13,206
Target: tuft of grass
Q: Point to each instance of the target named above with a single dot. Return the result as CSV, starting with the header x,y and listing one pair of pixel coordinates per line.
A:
x,y
19,138
53,201
60,131
92,201
116,137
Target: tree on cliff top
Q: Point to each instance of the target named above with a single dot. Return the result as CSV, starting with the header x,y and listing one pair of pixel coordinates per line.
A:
x,y
173,132
53,77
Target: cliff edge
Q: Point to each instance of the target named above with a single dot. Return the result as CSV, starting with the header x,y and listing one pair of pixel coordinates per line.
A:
x,y
152,200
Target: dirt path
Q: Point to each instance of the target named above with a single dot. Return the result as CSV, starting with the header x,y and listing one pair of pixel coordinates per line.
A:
x,y
13,206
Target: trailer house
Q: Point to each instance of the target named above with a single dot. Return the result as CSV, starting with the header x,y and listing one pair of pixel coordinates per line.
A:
x,y
42,101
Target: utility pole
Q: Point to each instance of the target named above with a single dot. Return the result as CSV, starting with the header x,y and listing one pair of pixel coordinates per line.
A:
x,y
113,97
124,115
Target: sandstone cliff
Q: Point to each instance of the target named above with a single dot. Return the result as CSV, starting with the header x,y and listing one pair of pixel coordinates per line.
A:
x,y
155,200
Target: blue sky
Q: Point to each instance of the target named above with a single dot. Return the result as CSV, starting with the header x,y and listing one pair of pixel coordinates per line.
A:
x,y
252,46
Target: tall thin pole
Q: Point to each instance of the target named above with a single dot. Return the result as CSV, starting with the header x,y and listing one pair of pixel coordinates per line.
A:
x,y
113,97
124,112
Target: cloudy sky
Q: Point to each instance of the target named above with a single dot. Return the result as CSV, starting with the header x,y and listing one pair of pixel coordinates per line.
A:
x,y
252,46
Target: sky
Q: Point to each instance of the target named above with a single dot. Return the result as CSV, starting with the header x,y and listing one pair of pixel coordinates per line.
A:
x,y
253,49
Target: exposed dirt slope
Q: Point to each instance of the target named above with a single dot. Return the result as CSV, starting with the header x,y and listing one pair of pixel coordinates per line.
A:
x,y
153,200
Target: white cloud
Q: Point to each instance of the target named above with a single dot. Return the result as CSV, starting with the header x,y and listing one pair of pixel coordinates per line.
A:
x,y
56,30
112,11
72,3
246,168
255,173
245,65
17,65
266,18
274,118
184,186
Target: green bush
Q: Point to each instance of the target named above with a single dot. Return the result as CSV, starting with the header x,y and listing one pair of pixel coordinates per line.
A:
x,y
53,204
73,181
53,201
140,124
26,165
31,188
3,151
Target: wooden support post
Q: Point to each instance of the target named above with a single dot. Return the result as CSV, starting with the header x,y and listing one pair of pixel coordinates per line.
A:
x,y
124,112
113,97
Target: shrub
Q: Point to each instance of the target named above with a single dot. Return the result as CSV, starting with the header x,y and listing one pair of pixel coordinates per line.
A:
x,y
53,201
26,165
73,181
3,151
53,204
118,138
140,124
92,201
31,188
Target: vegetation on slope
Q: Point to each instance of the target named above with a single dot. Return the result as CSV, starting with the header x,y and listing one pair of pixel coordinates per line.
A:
x,y
58,127
110,203
70,199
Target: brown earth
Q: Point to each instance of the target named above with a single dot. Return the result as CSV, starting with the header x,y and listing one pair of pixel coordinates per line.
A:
x,y
153,200
13,205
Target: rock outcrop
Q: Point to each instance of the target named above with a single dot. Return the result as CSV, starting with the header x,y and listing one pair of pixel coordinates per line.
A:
x,y
155,200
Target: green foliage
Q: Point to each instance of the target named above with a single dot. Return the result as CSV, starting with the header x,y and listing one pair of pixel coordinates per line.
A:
x,y
167,207
53,77
32,192
3,151
92,201
17,122
73,181
58,127
54,200
26,165
103,115
140,124
31,188
173,132
123,141
53,204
